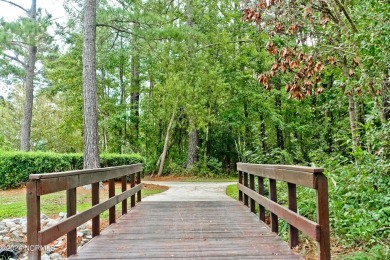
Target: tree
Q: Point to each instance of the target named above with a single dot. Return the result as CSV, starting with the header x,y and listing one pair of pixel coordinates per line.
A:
x,y
91,137
28,64
311,40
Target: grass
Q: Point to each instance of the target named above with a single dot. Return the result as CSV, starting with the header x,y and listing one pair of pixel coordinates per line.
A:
x,y
13,202
232,191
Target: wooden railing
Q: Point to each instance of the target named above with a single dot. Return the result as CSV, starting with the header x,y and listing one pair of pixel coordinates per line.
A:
x,y
294,175
42,184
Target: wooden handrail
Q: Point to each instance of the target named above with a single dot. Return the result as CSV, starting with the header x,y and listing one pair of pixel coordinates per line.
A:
x,y
294,175
42,184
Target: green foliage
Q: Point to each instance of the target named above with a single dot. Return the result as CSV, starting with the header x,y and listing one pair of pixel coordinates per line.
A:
x,y
232,191
377,252
15,167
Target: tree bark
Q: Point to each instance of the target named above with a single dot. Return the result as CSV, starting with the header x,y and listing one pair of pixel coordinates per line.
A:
x,y
135,86
91,138
29,94
165,149
351,108
192,155
192,148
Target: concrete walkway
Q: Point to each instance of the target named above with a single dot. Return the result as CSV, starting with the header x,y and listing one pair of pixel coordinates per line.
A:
x,y
191,191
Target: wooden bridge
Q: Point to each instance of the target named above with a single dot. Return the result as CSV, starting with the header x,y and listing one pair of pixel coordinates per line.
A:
x,y
181,229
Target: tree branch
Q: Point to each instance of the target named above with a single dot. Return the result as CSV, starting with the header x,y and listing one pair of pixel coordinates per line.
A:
x,y
16,59
18,6
341,6
128,32
21,44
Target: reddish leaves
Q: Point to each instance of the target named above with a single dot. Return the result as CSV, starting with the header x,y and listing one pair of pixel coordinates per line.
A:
x,y
307,71
251,15
271,48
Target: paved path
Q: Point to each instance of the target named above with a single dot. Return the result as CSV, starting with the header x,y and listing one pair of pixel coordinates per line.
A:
x,y
191,191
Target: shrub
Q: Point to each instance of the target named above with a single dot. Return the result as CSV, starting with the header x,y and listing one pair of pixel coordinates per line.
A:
x,y
15,167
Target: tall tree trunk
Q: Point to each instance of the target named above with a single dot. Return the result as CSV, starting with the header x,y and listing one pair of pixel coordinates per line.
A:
x,y
135,87
351,107
91,138
192,148
353,120
192,155
29,95
165,149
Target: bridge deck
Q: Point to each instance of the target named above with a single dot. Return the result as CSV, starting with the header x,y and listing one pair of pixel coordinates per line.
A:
x,y
187,230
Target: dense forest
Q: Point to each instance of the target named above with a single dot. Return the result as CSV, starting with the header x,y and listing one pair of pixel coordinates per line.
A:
x,y
197,86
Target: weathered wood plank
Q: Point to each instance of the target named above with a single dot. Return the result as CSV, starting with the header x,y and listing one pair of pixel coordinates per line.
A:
x,y
300,175
71,209
187,230
292,205
33,219
323,216
53,182
49,234
131,169
307,226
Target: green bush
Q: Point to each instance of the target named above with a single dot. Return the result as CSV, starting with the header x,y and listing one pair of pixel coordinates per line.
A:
x,y
15,167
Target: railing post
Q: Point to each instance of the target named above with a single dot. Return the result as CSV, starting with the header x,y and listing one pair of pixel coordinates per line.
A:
x,y
252,187
95,201
273,197
33,220
124,188
71,206
240,181
246,202
292,205
111,193
260,182
139,182
323,216
132,184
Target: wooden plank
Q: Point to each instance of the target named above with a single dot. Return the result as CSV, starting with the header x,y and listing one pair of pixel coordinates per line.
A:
x,y
307,226
130,169
273,197
292,205
240,198
246,199
132,184
139,196
260,182
49,234
106,175
124,188
33,220
323,217
51,185
95,201
304,176
252,187
71,208
53,182
187,230
287,167
111,193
